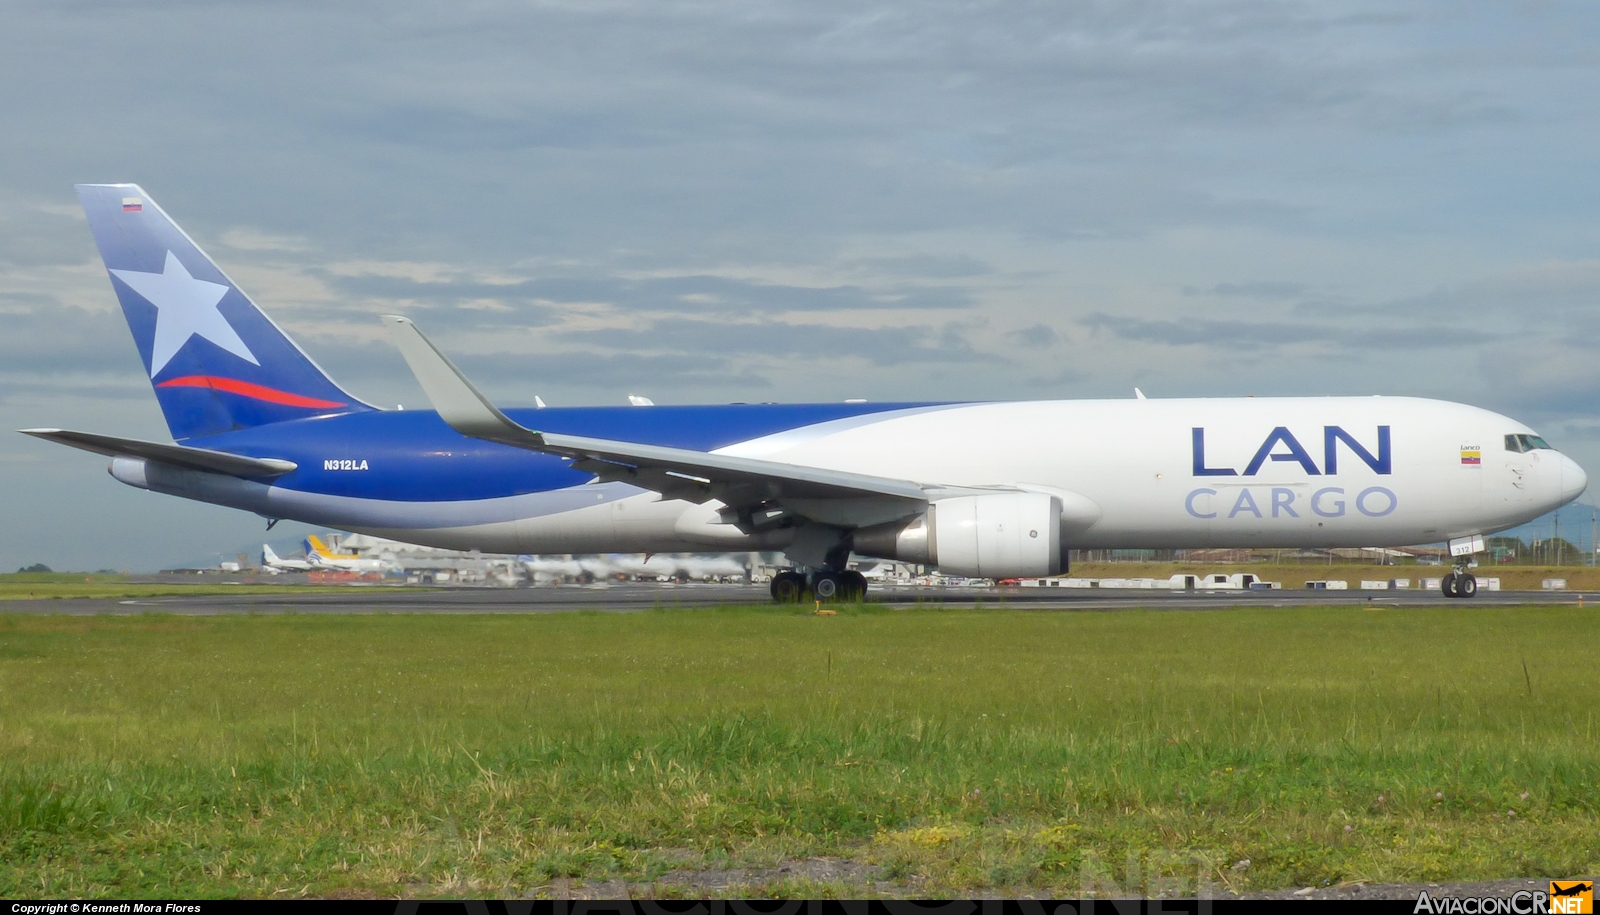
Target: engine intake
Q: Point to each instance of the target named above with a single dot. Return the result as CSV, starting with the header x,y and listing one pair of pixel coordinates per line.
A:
x,y
1003,535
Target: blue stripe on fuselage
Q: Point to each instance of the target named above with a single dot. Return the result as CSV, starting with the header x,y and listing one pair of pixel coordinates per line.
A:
x,y
413,456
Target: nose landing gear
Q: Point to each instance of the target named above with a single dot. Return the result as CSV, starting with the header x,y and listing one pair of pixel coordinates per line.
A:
x,y
1459,583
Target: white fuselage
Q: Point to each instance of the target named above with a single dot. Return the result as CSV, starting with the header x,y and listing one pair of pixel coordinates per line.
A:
x,y
333,563
1132,473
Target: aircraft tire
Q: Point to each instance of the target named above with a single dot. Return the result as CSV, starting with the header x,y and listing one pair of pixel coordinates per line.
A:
x,y
1467,586
1447,584
788,588
855,586
827,587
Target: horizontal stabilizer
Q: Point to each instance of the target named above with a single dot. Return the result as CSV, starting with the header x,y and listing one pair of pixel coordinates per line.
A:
x,y
193,458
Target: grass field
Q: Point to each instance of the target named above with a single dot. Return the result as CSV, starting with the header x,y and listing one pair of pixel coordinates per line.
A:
x,y
951,750
1293,576
46,585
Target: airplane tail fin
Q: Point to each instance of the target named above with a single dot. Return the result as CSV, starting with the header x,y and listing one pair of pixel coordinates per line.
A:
x,y
217,362
267,555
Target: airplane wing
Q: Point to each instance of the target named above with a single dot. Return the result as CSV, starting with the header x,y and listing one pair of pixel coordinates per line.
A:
x,y
233,465
743,484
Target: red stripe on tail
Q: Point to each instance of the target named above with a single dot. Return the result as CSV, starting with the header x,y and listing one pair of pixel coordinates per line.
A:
x,y
246,389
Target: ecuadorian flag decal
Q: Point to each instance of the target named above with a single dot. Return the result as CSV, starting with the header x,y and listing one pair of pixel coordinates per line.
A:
x,y
1471,456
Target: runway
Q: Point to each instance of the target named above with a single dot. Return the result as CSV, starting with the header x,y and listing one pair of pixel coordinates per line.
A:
x,y
637,597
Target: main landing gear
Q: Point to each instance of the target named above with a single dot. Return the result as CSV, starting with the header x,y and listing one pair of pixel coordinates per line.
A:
x,y
824,585
788,587
1459,583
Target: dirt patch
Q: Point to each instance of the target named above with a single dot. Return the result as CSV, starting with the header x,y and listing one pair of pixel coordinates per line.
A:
x,y
1408,891
863,880
738,881
818,870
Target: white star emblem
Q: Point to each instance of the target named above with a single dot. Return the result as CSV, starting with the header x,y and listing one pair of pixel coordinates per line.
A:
x,y
185,307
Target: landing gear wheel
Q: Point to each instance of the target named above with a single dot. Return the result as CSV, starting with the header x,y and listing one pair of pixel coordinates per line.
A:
x,y
826,587
788,587
853,586
1466,585
1448,585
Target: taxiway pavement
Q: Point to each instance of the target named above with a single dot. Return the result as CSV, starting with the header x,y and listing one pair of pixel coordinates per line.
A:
x,y
635,597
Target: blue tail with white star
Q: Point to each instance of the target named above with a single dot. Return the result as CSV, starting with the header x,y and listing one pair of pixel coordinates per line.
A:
x,y
217,362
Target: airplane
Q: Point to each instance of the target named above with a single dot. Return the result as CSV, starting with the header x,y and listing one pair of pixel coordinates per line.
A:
x,y
600,568
320,557
705,568
273,563
984,490
649,568
686,568
547,569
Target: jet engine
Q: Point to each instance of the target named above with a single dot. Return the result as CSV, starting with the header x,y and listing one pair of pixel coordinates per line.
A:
x,y
999,535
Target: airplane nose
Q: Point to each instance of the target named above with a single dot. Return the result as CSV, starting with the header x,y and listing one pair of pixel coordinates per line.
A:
x,y
1573,480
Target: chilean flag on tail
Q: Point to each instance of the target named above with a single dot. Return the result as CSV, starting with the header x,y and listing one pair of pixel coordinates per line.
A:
x,y
217,362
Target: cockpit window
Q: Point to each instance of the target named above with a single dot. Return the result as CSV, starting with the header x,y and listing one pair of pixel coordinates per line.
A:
x,y
1521,443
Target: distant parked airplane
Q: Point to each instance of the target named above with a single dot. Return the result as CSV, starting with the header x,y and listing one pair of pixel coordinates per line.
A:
x,y
318,554
272,563
983,490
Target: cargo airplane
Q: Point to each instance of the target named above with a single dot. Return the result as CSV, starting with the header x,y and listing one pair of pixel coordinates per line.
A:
x,y
986,490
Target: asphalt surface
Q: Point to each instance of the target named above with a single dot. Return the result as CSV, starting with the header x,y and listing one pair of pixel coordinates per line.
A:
x,y
633,597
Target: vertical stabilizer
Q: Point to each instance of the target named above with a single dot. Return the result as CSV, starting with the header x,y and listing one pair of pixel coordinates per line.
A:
x,y
217,362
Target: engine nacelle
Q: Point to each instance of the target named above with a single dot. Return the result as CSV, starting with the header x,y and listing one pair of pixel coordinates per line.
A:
x,y
1001,535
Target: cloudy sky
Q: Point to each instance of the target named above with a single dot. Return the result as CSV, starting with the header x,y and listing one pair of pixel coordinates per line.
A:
x,y
805,201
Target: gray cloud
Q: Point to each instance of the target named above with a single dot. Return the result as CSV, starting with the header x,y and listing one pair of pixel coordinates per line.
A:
x,y
517,376
899,345
924,266
677,293
40,336
1039,336
1209,332
1261,289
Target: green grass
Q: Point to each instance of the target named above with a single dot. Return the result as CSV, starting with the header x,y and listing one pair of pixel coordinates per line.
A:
x,y
46,585
956,750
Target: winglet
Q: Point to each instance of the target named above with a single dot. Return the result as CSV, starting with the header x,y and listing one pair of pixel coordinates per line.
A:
x,y
459,403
